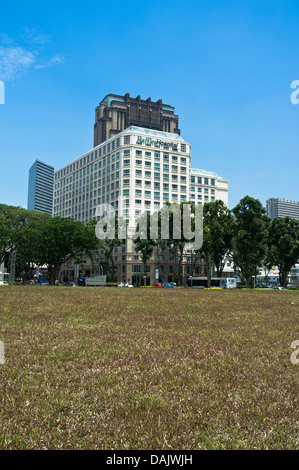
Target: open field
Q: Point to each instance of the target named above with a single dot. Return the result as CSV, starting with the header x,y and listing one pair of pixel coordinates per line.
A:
x,y
108,368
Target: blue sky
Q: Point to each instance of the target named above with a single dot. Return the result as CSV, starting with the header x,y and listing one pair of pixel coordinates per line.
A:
x,y
226,67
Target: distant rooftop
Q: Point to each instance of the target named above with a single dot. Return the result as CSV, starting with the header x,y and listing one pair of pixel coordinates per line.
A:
x,y
143,130
204,172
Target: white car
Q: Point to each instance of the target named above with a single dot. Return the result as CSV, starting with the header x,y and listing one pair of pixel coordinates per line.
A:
x,y
3,283
122,284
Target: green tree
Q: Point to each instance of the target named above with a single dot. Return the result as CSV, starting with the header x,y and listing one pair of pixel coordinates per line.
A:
x,y
14,225
249,240
218,233
61,239
143,243
108,246
283,246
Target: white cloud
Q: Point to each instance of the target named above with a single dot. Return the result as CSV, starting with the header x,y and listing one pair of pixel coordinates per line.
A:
x,y
14,60
57,59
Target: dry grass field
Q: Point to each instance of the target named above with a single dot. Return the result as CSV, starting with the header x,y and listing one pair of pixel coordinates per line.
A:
x,y
108,368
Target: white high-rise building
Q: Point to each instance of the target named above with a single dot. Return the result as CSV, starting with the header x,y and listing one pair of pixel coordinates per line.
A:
x,y
136,171
281,207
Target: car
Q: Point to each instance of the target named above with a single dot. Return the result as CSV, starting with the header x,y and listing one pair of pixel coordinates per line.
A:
x,y
169,284
159,284
282,288
3,283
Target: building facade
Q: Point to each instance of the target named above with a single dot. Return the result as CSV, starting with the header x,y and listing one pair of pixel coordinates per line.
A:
x,y
136,171
281,207
40,187
116,113
207,186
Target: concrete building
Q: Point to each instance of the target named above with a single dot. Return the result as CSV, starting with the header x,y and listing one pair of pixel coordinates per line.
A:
x,y
281,207
207,186
116,113
135,171
40,187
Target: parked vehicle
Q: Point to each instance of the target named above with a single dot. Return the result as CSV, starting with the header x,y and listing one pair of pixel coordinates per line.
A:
x,y
159,284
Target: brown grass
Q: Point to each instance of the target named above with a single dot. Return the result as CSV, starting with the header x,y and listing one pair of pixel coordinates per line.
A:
x,y
106,368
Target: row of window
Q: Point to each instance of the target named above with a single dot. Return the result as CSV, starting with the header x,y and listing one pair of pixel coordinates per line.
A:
x,y
201,180
101,151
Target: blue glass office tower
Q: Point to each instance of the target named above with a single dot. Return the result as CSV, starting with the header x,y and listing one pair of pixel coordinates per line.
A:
x,y
40,187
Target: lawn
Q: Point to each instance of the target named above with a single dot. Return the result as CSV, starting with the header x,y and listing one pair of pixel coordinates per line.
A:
x,y
108,368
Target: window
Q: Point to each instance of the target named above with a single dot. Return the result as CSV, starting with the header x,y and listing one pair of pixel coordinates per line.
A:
x,y
183,160
183,147
199,179
138,192
206,180
138,182
126,162
127,139
174,168
212,182
148,163
147,193
126,181
138,172
138,152
174,158
148,154
139,162
126,152
126,172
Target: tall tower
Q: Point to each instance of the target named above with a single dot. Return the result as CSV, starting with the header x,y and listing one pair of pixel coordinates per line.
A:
x,y
40,187
116,113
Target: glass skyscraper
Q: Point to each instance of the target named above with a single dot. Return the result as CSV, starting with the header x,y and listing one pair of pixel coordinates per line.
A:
x,y
40,187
